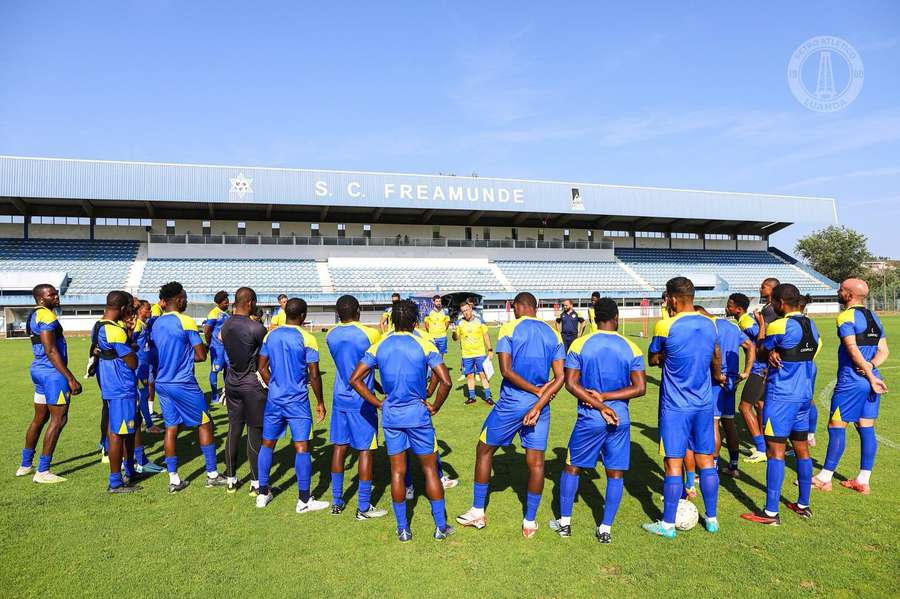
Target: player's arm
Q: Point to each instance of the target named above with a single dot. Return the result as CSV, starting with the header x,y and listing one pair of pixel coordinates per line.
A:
x,y
262,367
199,352
511,376
881,354
548,392
582,325
425,324
558,324
656,353
749,358
432,385
862,365
715,366
48,341
487,343
358,382
440,374
315,381
207,332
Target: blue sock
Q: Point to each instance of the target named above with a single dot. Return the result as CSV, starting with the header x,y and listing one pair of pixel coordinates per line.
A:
x,y
115,480
128,467
487,392
400,515
214,385
689,478
673,486
27,457
44,463
407,478
760,442
709,488
365,495
471,393
480,495
837,440
804,480
568,488
144,404
209,456
337,488
440,467
171,464
263,465
774,480
868,447
438,512
813,418
733,458
303,467
532,501
139,455
614,489
104,443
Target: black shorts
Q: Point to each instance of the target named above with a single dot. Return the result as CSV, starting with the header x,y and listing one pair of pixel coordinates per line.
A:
x,y
754,389
246,402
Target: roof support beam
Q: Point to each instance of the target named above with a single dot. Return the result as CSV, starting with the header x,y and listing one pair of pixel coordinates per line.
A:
x,y
601,222
21,206
426,216
87,207
151,211
520,218
473,218
376,214
323,213
269,212
212,211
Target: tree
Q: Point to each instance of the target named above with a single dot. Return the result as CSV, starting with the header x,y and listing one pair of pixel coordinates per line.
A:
x,y
836,252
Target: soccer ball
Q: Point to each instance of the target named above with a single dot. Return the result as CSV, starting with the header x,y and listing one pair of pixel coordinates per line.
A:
x,y
687,516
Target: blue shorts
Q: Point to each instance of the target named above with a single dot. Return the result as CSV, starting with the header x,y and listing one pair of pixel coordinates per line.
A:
x,y
217,360
503,424
781,418
473,365
853,400
593,437
277,417
142,372
725,398
680,430
359,429
51,388
122,412
153,363
182,404
421,439
441,344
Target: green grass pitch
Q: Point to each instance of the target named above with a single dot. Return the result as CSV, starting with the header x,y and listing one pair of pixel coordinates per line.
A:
x,y
73,539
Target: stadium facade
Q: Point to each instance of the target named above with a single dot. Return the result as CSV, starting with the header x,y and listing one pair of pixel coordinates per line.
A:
x,y
90,226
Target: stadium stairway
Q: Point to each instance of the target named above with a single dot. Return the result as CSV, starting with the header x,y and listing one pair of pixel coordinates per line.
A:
x,y
136,272
501,276
325,277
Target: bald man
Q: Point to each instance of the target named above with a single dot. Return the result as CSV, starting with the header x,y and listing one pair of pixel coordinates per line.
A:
x,y
857,395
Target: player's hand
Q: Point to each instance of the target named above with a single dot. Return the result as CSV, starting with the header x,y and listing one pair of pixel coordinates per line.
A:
x,y
743,376
430,407
532,416
775,359
878,385
74,386
609,415
721,380
320,411
596,395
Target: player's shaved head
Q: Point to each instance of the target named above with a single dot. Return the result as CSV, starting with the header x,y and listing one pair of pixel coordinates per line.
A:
x,y
118,299
605,310
347,308
245,296
681,287
771,282
858,287
524,304
40,290
295,310
786,297
740,300
405,315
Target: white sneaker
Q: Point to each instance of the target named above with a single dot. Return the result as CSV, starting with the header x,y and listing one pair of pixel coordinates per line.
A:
x,y
222,397
47,478
471,518
410,493
447,482
313,505
263,500
24,470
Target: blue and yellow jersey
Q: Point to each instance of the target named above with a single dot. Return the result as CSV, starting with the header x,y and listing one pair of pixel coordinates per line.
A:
x,y
591,321
664,313
278,319
471,337
174,335
852,322
387,318
688,341
141,336
533,346
438,321
155,312
215,319
403,360
606,360
347,342
40,320
793,381
750,328
119,381
290,350
730,338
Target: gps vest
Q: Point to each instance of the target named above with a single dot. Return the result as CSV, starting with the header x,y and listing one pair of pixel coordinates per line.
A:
x,y
872,334
36,339
805,350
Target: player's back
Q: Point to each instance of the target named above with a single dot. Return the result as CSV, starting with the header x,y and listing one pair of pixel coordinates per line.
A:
x,y
42,319
403,359
533,345
605,360
347,343
119,381
174,335
797,341
290,350
688,342
215,319
729,337
865,326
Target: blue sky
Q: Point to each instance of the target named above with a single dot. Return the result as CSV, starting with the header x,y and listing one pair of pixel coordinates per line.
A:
x,y
670,94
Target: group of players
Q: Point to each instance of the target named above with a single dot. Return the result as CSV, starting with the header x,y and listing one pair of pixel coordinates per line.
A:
x,y
268,376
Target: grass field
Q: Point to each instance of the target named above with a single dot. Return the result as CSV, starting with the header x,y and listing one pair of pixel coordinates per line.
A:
x,y
73,539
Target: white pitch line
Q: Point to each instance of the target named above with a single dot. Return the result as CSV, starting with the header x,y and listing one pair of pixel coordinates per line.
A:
x,y
824,403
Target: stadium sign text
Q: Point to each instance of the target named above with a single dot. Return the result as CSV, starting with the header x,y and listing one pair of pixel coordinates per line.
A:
x,y
434,193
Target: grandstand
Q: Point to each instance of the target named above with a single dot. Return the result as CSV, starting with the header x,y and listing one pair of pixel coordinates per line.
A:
x,y
99,225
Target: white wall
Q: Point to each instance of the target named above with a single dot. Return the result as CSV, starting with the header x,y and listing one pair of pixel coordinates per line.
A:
x,y
687,244
651,242
720,244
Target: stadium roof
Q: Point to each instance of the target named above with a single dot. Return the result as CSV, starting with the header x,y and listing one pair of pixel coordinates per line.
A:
x,y
105,188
